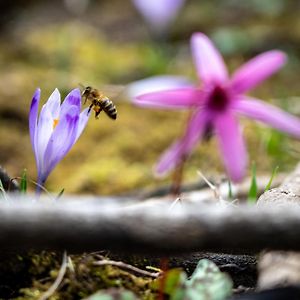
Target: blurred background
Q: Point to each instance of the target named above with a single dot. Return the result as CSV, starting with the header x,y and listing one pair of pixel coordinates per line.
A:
x,y
108,44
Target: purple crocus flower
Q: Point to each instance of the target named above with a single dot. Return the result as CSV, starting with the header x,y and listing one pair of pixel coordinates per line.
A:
x,y
217,103
159,13
56,129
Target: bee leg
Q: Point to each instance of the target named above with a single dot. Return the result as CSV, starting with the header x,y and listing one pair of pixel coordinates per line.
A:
x,y
97,113
84,97
90,107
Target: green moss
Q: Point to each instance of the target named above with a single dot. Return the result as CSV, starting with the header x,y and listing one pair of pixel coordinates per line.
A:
x,y
84,280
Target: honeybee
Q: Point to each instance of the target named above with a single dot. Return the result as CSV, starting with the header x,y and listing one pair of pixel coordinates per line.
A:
x,y
99,102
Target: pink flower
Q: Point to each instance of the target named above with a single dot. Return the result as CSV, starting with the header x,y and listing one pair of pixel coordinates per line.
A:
x,y
217,103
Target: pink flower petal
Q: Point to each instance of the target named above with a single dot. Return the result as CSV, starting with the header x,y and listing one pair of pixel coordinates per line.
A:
x,y
268,114
155,84
256,70
183,147
169,159
174,99
232,145
209,62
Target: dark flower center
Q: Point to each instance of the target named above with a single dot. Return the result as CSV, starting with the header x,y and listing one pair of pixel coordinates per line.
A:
x,y
218,99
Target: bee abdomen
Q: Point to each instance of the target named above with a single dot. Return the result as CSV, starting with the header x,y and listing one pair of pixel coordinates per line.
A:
x,y
109,108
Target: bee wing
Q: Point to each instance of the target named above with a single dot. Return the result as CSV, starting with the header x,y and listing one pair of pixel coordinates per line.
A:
x,y
113,91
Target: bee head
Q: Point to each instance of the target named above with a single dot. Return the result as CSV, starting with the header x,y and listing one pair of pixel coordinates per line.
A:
x,y
87,90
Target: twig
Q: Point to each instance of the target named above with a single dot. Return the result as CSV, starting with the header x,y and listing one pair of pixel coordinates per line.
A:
x,y
211,186
58,280
174,203
125,266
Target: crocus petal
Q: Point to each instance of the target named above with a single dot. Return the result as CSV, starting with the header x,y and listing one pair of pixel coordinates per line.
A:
x,y
268,114
209,62
61,141
33,115
256,70
232,145
53,104
158,13
83,119
174,99
44,132
155,84
183,147
73,98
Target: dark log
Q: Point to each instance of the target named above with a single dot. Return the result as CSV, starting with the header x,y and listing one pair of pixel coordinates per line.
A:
x,y
241,268
8,183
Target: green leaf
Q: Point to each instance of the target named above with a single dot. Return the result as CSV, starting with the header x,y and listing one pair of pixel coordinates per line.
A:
x,y
60,194
112,294
230,194
173,280
274,173
1,187
252,194
2,191
207,283
23,185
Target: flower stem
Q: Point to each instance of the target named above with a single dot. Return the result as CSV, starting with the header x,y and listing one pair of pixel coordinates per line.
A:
x,y
39,187
178,172
177,178
164,262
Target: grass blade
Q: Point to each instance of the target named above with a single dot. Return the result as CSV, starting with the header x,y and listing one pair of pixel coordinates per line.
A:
x,y
274,173
2,192
23,185
60,194
230,193
252,194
